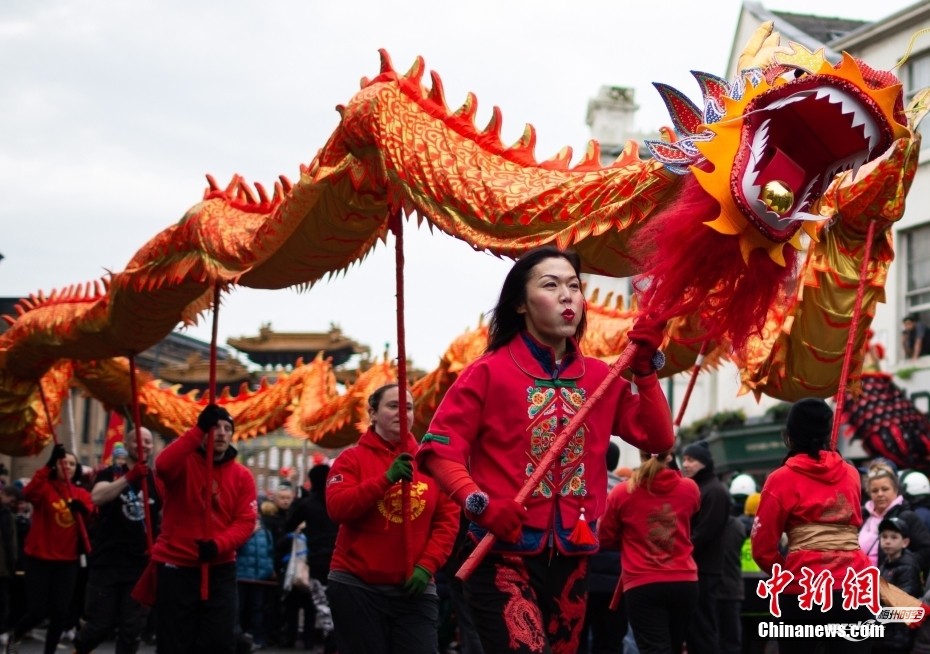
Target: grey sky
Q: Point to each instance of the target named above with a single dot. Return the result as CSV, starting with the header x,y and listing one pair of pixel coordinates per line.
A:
x,y
112,112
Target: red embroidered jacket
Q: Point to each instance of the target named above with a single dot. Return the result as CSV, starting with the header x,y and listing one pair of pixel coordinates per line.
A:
x,y
503,412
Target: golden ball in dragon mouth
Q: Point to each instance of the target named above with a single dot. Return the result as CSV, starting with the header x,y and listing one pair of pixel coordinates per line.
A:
x,y
777,197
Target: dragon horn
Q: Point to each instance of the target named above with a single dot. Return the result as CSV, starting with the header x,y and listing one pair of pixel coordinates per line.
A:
x,y
686,117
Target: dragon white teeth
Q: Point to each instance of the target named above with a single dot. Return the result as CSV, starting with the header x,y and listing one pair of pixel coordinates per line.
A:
x,y
856,166
848,105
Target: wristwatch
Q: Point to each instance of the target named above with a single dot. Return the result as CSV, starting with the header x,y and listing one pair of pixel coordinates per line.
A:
x,y
657,363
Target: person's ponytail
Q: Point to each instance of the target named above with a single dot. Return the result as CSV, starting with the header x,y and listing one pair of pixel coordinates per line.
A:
x,y
649,467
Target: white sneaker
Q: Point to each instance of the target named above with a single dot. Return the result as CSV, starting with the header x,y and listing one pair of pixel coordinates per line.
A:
x,y
12,646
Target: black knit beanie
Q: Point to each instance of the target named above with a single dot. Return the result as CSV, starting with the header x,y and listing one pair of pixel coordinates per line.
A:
x,y
700,452
809,424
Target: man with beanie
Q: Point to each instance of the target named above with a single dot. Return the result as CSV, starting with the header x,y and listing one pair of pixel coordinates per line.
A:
x,y
200,535
707,527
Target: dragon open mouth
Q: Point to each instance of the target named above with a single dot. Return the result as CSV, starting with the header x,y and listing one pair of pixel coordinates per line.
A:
x,y
793,146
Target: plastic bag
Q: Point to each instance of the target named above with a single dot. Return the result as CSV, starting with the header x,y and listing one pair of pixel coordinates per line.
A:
x,y
297,573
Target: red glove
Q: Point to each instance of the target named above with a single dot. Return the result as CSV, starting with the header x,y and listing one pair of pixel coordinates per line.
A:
x,y
503,518
647,335
137,472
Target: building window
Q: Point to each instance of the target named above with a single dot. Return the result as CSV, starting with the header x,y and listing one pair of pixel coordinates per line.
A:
x,y
916,73
917,269
262,457
274,458
288,458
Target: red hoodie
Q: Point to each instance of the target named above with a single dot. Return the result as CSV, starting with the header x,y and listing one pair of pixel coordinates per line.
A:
x,y
181,469
359,497
652,529
805,491
53,535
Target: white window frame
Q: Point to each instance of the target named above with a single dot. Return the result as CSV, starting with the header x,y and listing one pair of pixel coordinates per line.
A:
x,y
916,244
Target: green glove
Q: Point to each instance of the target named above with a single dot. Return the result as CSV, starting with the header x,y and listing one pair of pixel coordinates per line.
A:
x,y
418,581
401,468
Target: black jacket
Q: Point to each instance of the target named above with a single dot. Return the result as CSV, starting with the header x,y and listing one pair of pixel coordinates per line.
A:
x,y
321,531
9,547
708,523
904,572
731,543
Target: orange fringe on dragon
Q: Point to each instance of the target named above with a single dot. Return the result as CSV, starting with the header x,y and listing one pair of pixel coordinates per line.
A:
x,y
711,226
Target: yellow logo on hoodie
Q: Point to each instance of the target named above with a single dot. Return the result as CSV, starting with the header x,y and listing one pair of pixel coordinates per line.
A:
x,y
391,505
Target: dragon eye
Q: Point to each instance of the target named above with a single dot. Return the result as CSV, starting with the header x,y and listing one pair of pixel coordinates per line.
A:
x,y
792,74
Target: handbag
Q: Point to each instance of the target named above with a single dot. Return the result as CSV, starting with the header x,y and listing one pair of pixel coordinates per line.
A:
x,y
297,573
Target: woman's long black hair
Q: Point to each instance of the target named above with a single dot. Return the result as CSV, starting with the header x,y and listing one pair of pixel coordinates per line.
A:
x,y
505,321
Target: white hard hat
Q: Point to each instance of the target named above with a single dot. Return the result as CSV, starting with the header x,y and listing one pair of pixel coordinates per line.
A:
x,y
742,485
915,482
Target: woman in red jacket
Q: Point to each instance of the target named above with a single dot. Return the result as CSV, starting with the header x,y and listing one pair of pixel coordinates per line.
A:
x,y
499,419
814,497
53,546
378,603
649,519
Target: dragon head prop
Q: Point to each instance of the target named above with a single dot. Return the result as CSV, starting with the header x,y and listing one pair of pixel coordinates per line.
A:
x,y
758,158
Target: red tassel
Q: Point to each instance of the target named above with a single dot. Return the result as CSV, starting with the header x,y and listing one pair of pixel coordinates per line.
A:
x,y
581,534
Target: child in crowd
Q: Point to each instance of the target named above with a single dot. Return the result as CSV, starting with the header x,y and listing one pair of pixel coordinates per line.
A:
x,y
900,567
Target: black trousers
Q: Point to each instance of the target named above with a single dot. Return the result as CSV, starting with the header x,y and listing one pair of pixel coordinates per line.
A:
x,y
604,629
703,633
730,626
107,605
369,622
529,604
660,613
5,603
188,625
49,593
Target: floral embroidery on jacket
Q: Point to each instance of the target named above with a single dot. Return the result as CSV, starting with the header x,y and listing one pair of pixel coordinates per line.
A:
x,y
553,413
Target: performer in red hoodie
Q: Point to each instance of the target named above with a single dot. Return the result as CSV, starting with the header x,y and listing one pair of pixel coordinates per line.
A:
x,y
649,519
378,605
185,622
814,497
53,546
499,419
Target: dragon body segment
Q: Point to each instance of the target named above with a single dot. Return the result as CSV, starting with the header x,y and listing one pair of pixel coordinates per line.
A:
x,y
399,150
